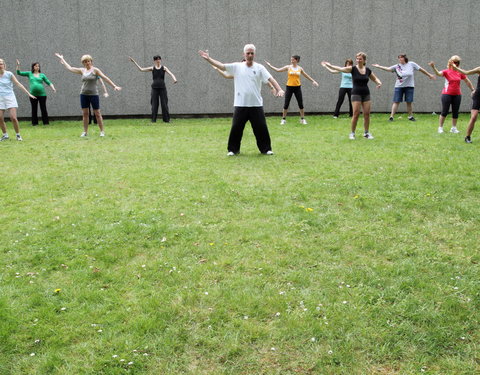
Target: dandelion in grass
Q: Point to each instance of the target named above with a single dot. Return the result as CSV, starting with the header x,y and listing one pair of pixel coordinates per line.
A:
x,y
308,209
356,196
57,291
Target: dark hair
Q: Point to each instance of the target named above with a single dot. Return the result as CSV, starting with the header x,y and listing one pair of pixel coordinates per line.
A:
x,y
296,57
404,57
348,61
35,63
157,57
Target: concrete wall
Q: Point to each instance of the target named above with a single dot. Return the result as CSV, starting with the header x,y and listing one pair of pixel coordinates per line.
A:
x,y
110,30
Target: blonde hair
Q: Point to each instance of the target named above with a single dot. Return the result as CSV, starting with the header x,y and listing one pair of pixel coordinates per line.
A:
x,y
363,54
249,46
86,58
4,63
452,59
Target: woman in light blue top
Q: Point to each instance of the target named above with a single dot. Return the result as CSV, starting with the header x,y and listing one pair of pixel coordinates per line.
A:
x,y
346,86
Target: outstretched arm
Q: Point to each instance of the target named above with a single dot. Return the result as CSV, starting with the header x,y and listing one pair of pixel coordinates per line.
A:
x,y
282,69
309,78
15,80
329,69
386,68
467,72
431,76
108,80
149,69
206,56
344,69
222,73
435,70
170,74
67,66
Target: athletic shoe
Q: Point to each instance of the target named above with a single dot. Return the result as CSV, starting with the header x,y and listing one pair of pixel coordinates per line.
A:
x,y
352,136
283,121
303,121
19,137
83,134
230,153
102,134
390,119
335,116
270,152
440,130
454,130
411,118
4,137
468,139
367,136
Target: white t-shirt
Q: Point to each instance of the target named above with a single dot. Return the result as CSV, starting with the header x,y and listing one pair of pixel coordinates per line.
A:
x,y
6,84
248,83
405,74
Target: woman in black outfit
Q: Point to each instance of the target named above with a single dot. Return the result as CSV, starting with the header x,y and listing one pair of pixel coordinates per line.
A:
x,y
159,90
360,92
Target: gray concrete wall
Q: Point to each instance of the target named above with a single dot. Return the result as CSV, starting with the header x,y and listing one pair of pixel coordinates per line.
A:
x,y
110,30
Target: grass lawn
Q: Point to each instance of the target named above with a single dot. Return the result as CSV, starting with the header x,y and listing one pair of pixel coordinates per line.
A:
x,y
150,251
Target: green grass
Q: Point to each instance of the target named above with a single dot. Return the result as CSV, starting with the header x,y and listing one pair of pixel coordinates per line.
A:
x,y
330,257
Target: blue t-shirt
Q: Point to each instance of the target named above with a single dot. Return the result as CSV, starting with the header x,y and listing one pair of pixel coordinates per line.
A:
x,y
346,81
6,84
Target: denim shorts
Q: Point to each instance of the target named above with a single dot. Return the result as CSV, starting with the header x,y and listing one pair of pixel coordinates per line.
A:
x,y
400,92
86,100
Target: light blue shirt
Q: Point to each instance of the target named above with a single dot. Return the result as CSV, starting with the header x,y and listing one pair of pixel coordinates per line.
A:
x,y
346,81
6,84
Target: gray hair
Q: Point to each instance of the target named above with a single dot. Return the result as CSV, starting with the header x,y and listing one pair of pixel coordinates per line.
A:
x,y
249,46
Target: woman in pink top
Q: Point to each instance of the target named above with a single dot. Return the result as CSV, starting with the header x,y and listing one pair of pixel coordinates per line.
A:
x,y
451,93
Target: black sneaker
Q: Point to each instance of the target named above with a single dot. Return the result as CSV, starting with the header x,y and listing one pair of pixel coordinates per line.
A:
x,y
412,119
468,139
390,119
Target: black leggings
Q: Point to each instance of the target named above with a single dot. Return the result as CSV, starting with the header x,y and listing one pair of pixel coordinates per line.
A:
x,y
297,90
454,101
256,116
42,100
341,96
162,93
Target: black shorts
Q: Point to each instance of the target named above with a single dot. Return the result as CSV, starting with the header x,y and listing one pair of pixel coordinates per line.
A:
x,y
476,102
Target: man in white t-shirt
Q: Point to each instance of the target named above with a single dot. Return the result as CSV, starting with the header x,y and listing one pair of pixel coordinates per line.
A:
x,y
404,84
248,103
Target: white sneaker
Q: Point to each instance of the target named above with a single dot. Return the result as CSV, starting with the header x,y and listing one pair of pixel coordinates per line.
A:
x,y
4,137
283,121
303,121
102,134
230,153
352,136
454,130
335,116
440,130
367,136
19,137
269,152
83,134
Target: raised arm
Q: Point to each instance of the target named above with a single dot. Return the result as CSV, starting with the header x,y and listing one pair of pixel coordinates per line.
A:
x,y
206,56
431,76
329,69
224,74
282,69
304,73
386,68
23,74
375,79
344,69
467,72
170,74
435,70
277,90
15,80
149,69
98,72
67,66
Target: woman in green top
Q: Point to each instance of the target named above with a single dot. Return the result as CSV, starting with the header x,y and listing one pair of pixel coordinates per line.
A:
x,y
37,78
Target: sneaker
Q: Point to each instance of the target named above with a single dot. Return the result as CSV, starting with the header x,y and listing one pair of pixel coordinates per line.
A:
x,y
102,134
283,121
230,153
303,121
411,118
440,130
4,137
390,119
352,136
83,134
270,152
367,136
468,139
19,137
454,130
335,116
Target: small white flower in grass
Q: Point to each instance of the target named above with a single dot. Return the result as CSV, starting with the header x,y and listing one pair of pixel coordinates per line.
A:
x,y
344,302
100,331
130,363
245,317
164,239
63,309
273,349
135,350
145,354
37,341
277,314
330,352
313,339
122,360
348,286
462,338
32,354
455,288
282,293
305,309
143,266
114,356
317,308
206,293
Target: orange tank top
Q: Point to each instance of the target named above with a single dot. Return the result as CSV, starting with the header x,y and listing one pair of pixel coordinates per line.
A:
x,y
294,76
